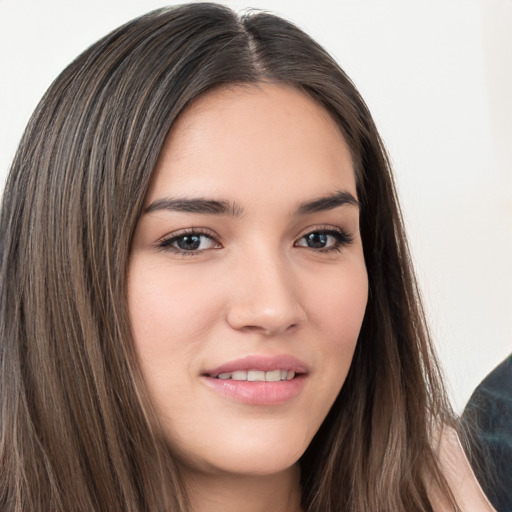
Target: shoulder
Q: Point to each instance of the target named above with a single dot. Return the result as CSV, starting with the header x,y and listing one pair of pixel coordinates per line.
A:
x,y
459,476
487,425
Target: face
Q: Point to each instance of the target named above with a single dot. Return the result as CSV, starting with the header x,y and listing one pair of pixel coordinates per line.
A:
x,y
247,284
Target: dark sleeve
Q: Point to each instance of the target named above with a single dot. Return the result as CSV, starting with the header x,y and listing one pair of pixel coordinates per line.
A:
x,y
487,425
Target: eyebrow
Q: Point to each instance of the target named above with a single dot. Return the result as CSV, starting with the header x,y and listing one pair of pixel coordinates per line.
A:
x,y
329,202
222,207
196,205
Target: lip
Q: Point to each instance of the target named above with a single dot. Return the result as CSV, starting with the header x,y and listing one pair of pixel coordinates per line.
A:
x,y
263,363
258,393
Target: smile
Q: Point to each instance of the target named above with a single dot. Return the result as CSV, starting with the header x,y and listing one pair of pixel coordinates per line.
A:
x,y
258,379
258,375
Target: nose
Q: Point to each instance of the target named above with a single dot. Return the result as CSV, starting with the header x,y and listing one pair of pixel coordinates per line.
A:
x,y
264,297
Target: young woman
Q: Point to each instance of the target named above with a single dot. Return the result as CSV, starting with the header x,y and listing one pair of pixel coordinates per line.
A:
x,y
207,299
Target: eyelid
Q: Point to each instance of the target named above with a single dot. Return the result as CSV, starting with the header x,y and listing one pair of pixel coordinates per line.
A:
x,y
342,236
324,228
165,243
345,237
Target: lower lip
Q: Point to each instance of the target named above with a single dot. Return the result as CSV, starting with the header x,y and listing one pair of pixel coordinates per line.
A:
x,y
258,393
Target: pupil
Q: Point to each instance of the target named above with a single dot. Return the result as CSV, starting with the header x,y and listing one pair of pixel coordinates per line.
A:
x,y
189,242
317,240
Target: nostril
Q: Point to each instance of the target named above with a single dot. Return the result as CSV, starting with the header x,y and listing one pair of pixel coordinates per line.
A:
x,y
269,321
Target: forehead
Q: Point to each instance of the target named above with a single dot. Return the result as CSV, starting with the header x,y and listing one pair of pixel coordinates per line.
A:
x,y
238,138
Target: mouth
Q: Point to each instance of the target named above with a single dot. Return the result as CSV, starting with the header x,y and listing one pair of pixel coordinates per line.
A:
x,y
256,375
259,380
259,368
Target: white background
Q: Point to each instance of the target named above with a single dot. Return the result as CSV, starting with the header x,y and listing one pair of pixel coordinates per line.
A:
x,y
437,76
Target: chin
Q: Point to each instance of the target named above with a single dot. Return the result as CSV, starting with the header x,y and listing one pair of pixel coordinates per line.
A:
x,y
251,464
258,453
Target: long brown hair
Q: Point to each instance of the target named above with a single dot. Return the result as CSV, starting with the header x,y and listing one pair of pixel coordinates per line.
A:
x,y
77,429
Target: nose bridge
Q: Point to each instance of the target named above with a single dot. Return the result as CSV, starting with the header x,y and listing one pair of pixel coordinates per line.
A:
x,y
264,296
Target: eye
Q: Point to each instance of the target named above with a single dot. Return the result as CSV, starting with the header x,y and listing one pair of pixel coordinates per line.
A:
x,y
324,240
189,242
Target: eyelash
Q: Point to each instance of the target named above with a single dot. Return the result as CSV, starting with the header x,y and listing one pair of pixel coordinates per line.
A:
x,y
166,243
341,237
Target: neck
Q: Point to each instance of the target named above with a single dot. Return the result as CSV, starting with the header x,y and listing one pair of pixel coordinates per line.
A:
x,y
232,493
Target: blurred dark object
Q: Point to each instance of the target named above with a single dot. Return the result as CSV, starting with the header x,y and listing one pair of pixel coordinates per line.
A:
x,y
487,426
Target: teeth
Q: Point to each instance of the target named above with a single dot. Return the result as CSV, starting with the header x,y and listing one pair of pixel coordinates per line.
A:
x,y
273,376
258,375
255,375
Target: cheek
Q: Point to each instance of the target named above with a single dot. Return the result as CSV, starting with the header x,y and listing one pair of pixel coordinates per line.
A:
x,y
169,308
337,311
171,314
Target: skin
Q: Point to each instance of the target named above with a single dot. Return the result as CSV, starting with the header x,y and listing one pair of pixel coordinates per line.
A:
x,y
459,476
254,284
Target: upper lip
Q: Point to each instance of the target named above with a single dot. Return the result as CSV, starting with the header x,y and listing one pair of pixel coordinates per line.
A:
x,y
260,362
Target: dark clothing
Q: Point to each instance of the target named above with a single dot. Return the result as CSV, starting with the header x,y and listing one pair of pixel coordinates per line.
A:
x,y
487,422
